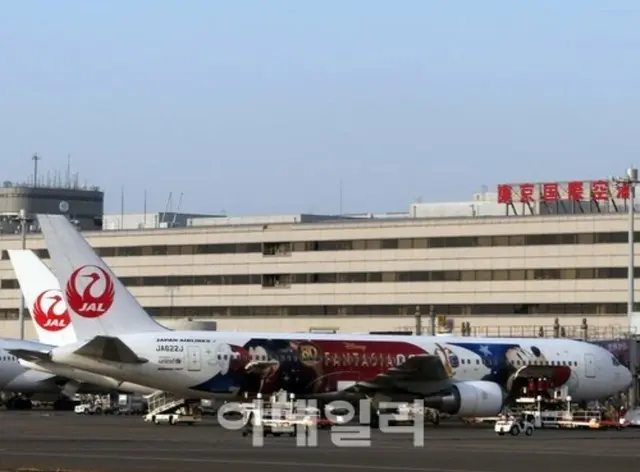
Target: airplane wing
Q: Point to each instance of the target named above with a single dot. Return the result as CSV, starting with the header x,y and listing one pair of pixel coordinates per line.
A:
x,y
30,355
28,350
101,348
419,374
110,349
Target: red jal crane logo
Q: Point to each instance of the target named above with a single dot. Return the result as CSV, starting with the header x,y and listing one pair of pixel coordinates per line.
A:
x,y
50,311
90,291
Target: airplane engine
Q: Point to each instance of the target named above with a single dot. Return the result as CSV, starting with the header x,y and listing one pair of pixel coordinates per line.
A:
x,y
474,398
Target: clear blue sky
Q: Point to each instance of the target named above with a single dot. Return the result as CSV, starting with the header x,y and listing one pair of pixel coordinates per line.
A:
x,y
264,106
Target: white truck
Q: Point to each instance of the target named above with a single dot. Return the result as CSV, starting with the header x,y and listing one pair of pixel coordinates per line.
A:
x,y
278,422
407,413
508,424
94,405
131,404
182,415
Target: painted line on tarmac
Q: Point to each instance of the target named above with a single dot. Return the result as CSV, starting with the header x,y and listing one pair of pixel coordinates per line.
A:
x,y
504,448
297,464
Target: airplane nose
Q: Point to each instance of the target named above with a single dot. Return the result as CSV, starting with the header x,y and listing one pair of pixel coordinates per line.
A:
x,y
625,379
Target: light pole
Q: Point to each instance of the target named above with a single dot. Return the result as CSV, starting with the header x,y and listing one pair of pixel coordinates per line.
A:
x,y
418,317
631,179
23,220
171,289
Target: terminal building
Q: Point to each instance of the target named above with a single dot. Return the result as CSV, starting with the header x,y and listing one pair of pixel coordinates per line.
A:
x,y
508,263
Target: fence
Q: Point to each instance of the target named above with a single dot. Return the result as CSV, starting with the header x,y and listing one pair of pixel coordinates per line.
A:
x,y
532,331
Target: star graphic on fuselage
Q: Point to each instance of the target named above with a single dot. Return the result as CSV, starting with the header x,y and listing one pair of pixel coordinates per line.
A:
x,y
485,351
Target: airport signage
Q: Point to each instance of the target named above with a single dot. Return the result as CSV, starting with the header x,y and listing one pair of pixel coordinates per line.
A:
x,y
577,190
350,427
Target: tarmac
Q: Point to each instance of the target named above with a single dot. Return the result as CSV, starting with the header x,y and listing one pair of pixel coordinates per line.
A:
x,y
63,440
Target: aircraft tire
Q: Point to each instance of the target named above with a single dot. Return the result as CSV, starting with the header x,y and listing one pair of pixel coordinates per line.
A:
x,y
436,419
375,418
63,404
19,403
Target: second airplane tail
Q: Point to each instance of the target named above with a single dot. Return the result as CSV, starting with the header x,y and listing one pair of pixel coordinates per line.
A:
x,y
99,304
43,298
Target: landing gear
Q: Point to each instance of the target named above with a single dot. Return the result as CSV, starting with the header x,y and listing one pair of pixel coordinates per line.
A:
x,y
433,416
64,404
18,403
375,418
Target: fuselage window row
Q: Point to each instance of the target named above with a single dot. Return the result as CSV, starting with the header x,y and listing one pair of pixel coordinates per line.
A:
x,y
329,356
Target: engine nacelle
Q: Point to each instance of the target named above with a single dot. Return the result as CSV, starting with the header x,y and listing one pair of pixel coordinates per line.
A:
x,y
474,398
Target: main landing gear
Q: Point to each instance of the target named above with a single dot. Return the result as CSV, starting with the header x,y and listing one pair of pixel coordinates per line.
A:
x,y
64,404
18,403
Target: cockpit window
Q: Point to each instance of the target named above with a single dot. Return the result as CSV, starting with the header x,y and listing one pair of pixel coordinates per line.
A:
x,y
616,363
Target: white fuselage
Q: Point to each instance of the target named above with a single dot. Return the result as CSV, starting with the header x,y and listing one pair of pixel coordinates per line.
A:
x,y
215,364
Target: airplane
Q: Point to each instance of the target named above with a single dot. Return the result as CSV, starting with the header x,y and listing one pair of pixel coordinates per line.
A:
x,y
460,376
19,383
53,326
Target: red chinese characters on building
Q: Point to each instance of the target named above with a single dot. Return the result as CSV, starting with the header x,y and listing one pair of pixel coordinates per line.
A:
x,y
599,190
505,193
623,190
550,192
575,191
526,193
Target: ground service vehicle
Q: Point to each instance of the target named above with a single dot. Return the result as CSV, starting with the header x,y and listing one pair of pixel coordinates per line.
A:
x,y
514,426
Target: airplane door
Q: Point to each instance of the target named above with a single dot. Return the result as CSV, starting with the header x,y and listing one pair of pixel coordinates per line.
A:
x,y
590,366
194,362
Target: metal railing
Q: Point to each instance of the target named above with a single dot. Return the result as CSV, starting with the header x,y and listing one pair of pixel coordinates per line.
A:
x,y
534,331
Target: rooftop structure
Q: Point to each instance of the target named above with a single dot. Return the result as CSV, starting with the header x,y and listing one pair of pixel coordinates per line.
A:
x,y
52,193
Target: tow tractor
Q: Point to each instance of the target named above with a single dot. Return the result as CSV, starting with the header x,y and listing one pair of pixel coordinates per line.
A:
x,y
542,414
94,405
277,422
181,415
509,424
407,413
281,415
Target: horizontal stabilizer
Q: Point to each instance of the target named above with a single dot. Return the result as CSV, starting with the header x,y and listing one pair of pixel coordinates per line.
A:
x,y
30,355
110,349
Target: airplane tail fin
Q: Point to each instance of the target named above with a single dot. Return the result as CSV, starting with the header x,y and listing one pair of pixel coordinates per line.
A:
x,y
99,304
43,298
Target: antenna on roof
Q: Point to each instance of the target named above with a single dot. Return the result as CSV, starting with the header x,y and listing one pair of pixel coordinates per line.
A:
x,y
68,176
35,159
122,208
144,207
175,213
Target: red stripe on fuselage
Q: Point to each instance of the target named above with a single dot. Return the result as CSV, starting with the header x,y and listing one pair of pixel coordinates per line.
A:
x,y
318,366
